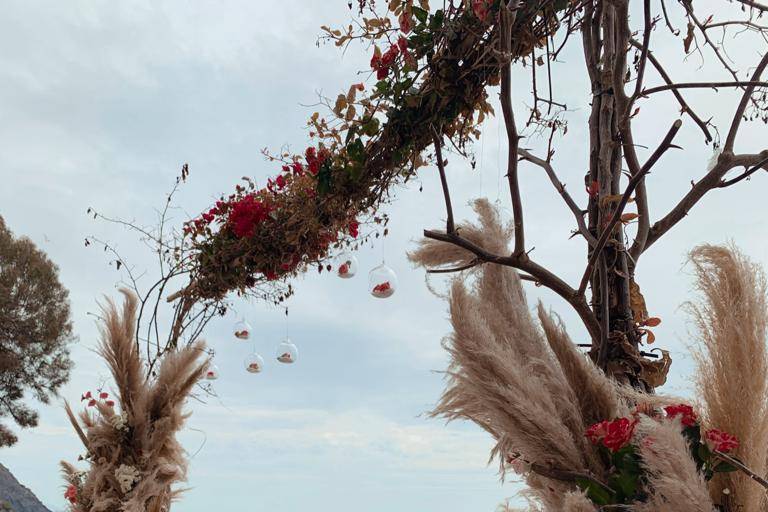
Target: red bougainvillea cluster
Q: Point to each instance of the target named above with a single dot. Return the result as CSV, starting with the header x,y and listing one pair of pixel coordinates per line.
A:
x,y
383,63
258,217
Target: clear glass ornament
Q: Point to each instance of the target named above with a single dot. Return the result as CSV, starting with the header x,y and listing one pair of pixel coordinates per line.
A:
x,y
254,363
382,282
212,373
242,330
287,352
345,265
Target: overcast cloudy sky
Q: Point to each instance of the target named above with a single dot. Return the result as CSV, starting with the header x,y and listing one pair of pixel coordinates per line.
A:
x,y
101,103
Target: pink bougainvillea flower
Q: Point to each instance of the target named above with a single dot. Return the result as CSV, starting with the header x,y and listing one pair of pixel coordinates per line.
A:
x,y
687,415
103,395
110,403
721,441
344,269
86,396
91,402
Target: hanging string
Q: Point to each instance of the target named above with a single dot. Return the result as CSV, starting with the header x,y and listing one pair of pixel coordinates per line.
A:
x,y
482,153
498,159
286,322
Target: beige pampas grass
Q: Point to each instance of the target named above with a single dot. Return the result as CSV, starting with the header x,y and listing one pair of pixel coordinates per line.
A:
x,y
134,457
675,484
511,379
730,321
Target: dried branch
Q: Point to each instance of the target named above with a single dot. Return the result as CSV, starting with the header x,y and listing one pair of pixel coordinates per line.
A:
x,y
449,225
703,125
745,98
578,213
711,180
539,273
505,48
633,183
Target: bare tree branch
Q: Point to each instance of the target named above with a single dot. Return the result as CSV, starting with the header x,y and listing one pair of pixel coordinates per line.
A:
x,y
507,20
578,213
449,225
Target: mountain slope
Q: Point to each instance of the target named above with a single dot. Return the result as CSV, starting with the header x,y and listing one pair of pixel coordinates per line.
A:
x,y
16,496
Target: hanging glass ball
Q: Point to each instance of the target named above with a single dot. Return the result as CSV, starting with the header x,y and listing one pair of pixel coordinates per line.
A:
x,y
287,352
242,330
254,363
345,265
212,373
382,282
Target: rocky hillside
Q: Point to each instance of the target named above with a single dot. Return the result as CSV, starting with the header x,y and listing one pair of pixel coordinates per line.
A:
x,y
15,497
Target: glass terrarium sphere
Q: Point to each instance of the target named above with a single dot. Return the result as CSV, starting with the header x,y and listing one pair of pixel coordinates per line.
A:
x,y
345,265
242,330
382,282
254,363
287,352
212,373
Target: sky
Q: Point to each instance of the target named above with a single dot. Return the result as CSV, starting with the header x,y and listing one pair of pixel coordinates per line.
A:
x,y
102,102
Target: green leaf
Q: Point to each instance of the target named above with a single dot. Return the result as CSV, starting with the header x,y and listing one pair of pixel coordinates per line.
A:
x,y
436,22
324,178
596,493
356,151
724,467
420,14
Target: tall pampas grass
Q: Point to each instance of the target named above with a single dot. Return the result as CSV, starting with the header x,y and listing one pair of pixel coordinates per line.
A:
x,y
533,392
730,320
134,458
675,484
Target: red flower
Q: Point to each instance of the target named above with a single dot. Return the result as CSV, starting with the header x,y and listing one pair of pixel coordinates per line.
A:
x,y
281,182
103,395
298,169
354,229
597,432
721,441
110,403
246,214
376,61
402,43
480,8
86,396
382,73
382,288
687,415
91,402
314,167
405,22
71,494
343,269
614,435
389,57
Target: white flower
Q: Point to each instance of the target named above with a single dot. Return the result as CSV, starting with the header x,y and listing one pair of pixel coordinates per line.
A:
x,y
119,421
127,476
